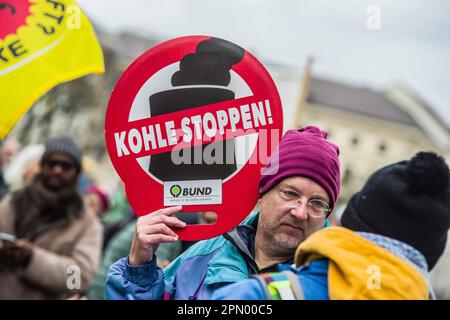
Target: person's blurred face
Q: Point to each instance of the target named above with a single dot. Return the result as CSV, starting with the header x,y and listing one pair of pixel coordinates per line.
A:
x,y
7,152
285,224
59,172
93,203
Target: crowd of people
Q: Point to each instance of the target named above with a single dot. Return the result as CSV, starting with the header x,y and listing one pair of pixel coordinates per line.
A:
x,y
65,236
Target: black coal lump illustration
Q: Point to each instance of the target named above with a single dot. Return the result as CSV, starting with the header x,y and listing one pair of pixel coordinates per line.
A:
x,y
209,65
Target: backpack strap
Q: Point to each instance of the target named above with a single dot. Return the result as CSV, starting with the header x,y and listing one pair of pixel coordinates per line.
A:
x,y
295,285
280,285
263,284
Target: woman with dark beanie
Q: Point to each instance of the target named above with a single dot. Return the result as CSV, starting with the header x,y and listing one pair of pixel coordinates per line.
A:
x,y
394,231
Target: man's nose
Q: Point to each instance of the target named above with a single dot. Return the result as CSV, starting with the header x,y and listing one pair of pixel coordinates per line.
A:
x,y
300,211
57,169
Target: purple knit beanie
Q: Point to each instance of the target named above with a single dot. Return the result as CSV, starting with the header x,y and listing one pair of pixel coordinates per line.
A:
x,y
304,152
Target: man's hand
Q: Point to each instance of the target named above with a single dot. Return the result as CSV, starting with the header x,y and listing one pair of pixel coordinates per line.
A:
x,y
151,230
14,255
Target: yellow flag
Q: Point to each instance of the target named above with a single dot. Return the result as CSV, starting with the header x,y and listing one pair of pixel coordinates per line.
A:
x,y
42,43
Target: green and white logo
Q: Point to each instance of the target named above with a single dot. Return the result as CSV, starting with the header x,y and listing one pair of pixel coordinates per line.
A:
x,y
192,192
175,190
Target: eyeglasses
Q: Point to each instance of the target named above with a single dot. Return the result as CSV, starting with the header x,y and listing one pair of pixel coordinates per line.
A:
x,y
66,166
316,208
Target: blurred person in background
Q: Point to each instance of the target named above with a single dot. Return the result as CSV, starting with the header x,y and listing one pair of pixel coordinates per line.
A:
x,y
8,149
24,167
56,237
119,206
118,215
96,200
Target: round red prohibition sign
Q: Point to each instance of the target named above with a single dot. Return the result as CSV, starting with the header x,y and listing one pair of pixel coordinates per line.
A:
x,y
190,123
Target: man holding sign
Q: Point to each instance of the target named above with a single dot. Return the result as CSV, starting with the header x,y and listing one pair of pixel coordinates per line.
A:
x,y
298,190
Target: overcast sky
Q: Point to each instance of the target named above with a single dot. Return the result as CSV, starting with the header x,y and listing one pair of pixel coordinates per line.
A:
x,y
412,47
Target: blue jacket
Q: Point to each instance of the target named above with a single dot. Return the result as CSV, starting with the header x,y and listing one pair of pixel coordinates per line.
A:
x,y
195,274
313,280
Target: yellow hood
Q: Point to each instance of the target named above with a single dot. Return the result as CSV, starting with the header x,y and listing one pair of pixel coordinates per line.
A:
x,y
359,269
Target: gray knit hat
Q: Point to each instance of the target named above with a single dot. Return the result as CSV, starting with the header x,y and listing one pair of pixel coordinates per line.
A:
x,y
63,144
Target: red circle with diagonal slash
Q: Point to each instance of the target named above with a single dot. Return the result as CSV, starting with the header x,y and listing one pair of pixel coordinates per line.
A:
x,y
145,193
